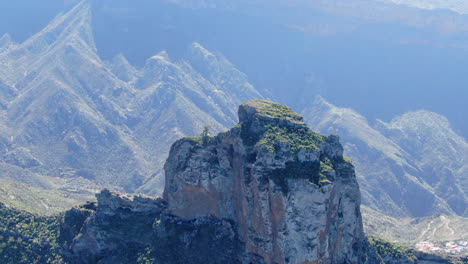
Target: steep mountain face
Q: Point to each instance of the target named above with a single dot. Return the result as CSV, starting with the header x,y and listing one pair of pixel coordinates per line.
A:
x,y
177,99
291,194
62,113
440,155
78,123
413,166
269,190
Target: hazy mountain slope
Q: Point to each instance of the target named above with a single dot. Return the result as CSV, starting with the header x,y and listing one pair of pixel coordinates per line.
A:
x,y
66,113
176,99
459,6
438,152
120,66
342,49
62,113
394,178
345,50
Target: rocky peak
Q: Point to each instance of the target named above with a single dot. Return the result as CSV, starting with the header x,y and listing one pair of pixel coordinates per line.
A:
x,y
70,29
159,68
292,195
198,52
270,190
217,69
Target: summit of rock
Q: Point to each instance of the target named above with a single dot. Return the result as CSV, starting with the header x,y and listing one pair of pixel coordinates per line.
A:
x,y
268,111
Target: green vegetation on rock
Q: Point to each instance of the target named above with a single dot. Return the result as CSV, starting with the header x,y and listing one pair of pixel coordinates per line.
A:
x,y
275,110
205,137
146,257
314,172
196,140
296,170
277,128
347,159
298,137
326,167
266,123
393,251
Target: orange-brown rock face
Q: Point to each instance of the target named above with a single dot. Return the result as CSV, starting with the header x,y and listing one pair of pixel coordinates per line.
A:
x,y
293,197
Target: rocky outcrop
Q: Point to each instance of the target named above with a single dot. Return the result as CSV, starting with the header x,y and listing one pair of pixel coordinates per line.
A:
x,y
270,190
291,193
115,231
134,229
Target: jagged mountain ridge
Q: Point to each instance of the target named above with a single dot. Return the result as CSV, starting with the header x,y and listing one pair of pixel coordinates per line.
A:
x,y
70,115
414,160
322,25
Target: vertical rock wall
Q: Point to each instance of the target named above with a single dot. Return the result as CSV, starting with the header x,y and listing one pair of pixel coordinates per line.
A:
x,y
291,193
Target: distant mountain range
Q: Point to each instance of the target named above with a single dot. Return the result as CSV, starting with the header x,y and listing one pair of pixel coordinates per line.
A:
x,y
70,115
80,109
379,58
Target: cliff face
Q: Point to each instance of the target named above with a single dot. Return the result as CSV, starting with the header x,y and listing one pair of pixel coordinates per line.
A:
x,y
270,190
292,195
124,229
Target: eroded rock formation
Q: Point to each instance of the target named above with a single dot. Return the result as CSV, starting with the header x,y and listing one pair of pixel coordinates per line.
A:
x,y
269,190
292,195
